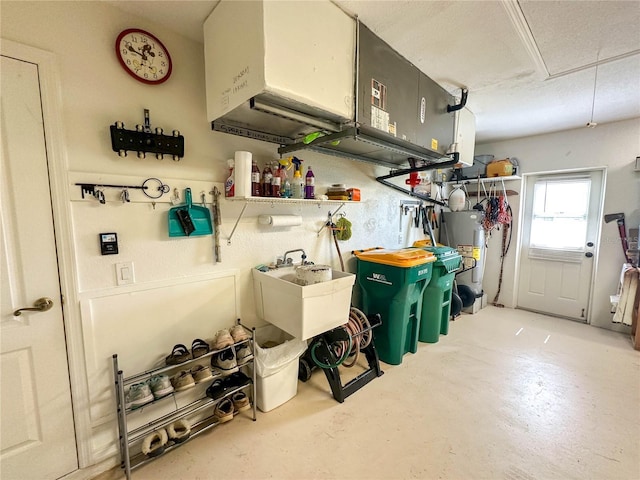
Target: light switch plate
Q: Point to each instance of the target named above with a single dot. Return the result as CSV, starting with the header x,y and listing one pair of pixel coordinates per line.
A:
x,y
124,273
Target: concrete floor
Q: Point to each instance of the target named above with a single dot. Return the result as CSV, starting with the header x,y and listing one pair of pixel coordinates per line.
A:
x,y
507,394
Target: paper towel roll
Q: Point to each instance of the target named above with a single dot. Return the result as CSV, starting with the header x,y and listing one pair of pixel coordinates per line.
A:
x,y
280,220
242,174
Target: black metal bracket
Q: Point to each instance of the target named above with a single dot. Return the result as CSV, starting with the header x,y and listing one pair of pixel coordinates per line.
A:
x,y
406,171
463,102
142,140
326,354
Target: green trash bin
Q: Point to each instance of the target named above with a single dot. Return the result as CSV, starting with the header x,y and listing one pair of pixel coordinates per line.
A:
x,y
392,283
436,299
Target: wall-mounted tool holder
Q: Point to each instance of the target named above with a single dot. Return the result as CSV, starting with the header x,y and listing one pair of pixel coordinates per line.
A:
x,y
142,140
151,187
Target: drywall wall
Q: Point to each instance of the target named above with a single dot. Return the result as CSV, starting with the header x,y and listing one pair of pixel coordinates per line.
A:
x,y
95,93
615,146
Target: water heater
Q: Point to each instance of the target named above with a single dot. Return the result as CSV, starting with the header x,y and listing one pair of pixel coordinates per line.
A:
x,y
464,231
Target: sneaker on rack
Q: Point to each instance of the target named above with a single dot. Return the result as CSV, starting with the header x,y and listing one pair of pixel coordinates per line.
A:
x,y
223,339
239,334
182,381
160,386
240,402
243,353
223,411
201,373
225,361
140,394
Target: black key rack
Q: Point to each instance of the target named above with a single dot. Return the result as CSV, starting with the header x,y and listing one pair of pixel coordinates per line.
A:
x,y
142,140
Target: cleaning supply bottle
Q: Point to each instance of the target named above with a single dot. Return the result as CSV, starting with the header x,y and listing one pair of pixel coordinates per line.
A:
x,y
276,180
297,186
285,184
267,175
255,179
229,184
309,188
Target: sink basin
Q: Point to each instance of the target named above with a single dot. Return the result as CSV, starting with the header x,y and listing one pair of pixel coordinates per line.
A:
x,y
302,311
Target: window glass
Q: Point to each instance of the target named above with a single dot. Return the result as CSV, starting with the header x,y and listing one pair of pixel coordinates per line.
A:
x,y
560,209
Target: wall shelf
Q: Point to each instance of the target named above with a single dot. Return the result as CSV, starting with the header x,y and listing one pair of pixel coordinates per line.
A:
x,y
281,201
290,201
472,181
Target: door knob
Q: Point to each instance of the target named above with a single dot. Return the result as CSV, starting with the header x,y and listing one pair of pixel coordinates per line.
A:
x,y
41,305
588,254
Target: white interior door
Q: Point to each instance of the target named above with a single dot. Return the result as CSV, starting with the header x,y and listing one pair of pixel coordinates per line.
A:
x,y
37,429
561,225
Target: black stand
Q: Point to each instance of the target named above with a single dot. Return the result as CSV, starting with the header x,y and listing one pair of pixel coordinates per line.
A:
x,y
321,345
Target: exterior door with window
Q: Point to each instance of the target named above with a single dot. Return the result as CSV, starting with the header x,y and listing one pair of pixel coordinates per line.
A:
x,y
560,228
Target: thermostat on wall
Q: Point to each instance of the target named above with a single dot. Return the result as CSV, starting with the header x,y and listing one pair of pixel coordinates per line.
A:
x,y
108,243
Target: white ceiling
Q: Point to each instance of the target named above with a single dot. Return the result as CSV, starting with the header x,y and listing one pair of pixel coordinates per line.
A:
x,y
530,66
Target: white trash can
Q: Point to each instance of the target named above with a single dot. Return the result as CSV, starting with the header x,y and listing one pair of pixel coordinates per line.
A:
x,y
276,363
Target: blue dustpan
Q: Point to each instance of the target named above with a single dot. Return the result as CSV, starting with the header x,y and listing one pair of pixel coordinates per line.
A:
x,y
189,220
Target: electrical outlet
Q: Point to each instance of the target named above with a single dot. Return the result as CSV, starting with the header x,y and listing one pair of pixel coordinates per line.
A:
x,y
124,273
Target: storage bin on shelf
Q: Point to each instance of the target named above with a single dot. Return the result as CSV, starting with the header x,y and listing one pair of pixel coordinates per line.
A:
x,y
302,311
436,299
392,283
276,364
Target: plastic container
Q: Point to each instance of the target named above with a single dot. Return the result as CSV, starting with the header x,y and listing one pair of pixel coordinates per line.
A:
x,y
309,187
500,168
276,367
392,284
436,299
302,311
256,190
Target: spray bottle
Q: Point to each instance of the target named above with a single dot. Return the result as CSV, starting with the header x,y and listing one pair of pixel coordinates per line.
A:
x,y
229,184
297,186
285,184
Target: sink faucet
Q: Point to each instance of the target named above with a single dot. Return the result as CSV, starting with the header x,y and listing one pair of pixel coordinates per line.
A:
x,y
287,261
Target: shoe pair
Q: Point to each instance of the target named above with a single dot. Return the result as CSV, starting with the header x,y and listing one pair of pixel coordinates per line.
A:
x,y
186,379
221,386
142,393
155,443
226,338
227,360
181,354
227,408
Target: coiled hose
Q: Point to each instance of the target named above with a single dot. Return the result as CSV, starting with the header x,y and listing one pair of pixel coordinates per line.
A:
x,y
360,335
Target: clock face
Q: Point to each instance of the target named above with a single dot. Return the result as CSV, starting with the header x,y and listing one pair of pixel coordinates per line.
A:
x,y
143,56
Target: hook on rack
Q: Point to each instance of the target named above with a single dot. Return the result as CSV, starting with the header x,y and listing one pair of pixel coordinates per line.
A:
x,y
330,216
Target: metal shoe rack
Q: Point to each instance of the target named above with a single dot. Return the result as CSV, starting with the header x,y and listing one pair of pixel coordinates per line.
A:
x,y
130,457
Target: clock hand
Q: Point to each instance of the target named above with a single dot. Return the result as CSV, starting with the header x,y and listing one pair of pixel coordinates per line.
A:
x,y
133,50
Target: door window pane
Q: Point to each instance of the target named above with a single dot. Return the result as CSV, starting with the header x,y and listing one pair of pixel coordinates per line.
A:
x,y
560,209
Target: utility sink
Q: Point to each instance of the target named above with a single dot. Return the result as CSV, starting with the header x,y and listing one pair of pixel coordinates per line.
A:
x,y
302,311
